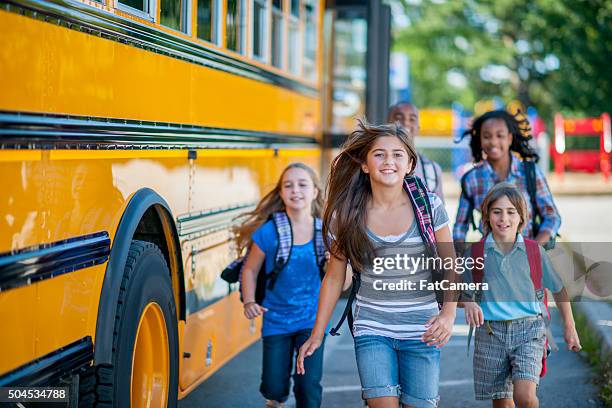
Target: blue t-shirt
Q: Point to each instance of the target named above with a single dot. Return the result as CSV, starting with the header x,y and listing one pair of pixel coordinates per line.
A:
x,y
511,294
292,304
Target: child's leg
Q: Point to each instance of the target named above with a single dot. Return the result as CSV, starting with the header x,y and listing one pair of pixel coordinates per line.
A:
x,y
377,364
525,394
492,371
526,359
419,374
307,388
503,403
277,363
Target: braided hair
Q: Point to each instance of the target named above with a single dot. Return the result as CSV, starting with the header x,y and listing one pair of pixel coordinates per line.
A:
x,y
517,125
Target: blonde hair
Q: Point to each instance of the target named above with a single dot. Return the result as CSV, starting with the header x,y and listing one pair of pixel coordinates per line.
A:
x,y
514,196
349,191
271,203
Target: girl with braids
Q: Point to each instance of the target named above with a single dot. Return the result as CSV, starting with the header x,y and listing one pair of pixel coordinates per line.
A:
x,y
499,143
289,309
369,217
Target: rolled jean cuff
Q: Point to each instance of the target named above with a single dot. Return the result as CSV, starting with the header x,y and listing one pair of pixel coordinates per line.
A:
x,y
377,392
419,402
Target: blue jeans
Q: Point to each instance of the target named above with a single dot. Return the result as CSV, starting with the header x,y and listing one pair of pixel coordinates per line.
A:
x,y
408,369
279,353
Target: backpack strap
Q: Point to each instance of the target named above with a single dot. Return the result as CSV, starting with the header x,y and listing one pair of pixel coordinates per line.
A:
x,y
429,172
319,245
285,245
423,211
469,199
535,269
478,252
348,309
530,176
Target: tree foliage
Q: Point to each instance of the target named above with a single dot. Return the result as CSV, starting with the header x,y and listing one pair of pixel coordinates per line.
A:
x,y
552,54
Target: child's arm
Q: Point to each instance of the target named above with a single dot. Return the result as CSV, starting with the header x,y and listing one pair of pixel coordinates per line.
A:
x,y
553,282
569,331
250,271
331,288
440,327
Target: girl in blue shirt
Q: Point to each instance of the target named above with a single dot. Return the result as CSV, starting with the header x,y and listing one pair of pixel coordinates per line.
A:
x,y
289,309
510,327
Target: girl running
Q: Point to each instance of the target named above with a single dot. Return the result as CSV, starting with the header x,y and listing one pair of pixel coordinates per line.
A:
x,y
371,220
289,309
494,137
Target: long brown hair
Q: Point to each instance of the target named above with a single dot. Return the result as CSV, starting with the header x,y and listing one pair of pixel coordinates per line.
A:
x,y
349,191
270,203
514,196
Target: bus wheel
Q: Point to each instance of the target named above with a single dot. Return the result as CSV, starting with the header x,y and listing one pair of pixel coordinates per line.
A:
x,y
144,370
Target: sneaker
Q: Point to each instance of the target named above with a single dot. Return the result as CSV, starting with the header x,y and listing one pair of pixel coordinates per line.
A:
x,y
274,404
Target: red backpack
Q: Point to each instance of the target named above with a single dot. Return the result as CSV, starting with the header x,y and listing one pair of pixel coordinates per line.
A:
x,y
535,268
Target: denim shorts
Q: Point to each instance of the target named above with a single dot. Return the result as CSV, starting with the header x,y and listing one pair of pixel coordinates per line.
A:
x,y
408,369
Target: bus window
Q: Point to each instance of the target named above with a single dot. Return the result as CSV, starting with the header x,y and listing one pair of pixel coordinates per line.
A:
x,y
173,14
294,38
350,76
277,33
235,21
260,40
140,8
208,20
310,40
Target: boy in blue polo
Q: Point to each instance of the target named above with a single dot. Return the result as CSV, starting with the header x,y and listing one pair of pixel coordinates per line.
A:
x,y
510,317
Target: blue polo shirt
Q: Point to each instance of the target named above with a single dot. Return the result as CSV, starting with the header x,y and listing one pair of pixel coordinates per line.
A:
x,y
511,294
292,304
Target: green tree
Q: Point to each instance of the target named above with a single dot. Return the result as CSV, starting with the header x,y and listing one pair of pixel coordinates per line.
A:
x,y
553,54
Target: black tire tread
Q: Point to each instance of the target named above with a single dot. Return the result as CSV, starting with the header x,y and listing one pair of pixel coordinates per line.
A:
x,y
96,383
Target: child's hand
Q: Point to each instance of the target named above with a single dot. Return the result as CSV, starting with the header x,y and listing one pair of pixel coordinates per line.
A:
x,y
309,347
473,314
571,339
252,310
439,330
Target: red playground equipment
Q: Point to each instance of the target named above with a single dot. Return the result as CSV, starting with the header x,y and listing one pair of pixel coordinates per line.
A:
x,y
582,160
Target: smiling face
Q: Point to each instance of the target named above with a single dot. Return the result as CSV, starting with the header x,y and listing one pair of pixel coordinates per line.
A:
x,y
504,220
408,116
297,189
387,161
495,139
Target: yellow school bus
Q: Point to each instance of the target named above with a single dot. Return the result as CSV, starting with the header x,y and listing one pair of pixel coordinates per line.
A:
x,y
132,133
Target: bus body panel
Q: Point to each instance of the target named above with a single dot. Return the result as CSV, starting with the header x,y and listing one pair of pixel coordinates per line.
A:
x,y
69,72
74,193
59,184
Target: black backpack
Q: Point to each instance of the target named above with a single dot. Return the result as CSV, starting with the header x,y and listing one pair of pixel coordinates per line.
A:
x,y
284,232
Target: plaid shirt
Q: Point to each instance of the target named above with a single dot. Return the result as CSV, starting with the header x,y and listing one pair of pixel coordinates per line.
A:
x,y
482,178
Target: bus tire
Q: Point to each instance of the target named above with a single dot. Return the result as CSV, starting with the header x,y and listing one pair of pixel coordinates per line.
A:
x,y
146,302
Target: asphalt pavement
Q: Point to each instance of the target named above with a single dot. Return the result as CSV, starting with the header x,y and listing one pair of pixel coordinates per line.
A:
x,y
569,383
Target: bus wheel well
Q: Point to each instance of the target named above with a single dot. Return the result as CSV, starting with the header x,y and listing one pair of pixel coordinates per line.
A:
x,y
156,226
